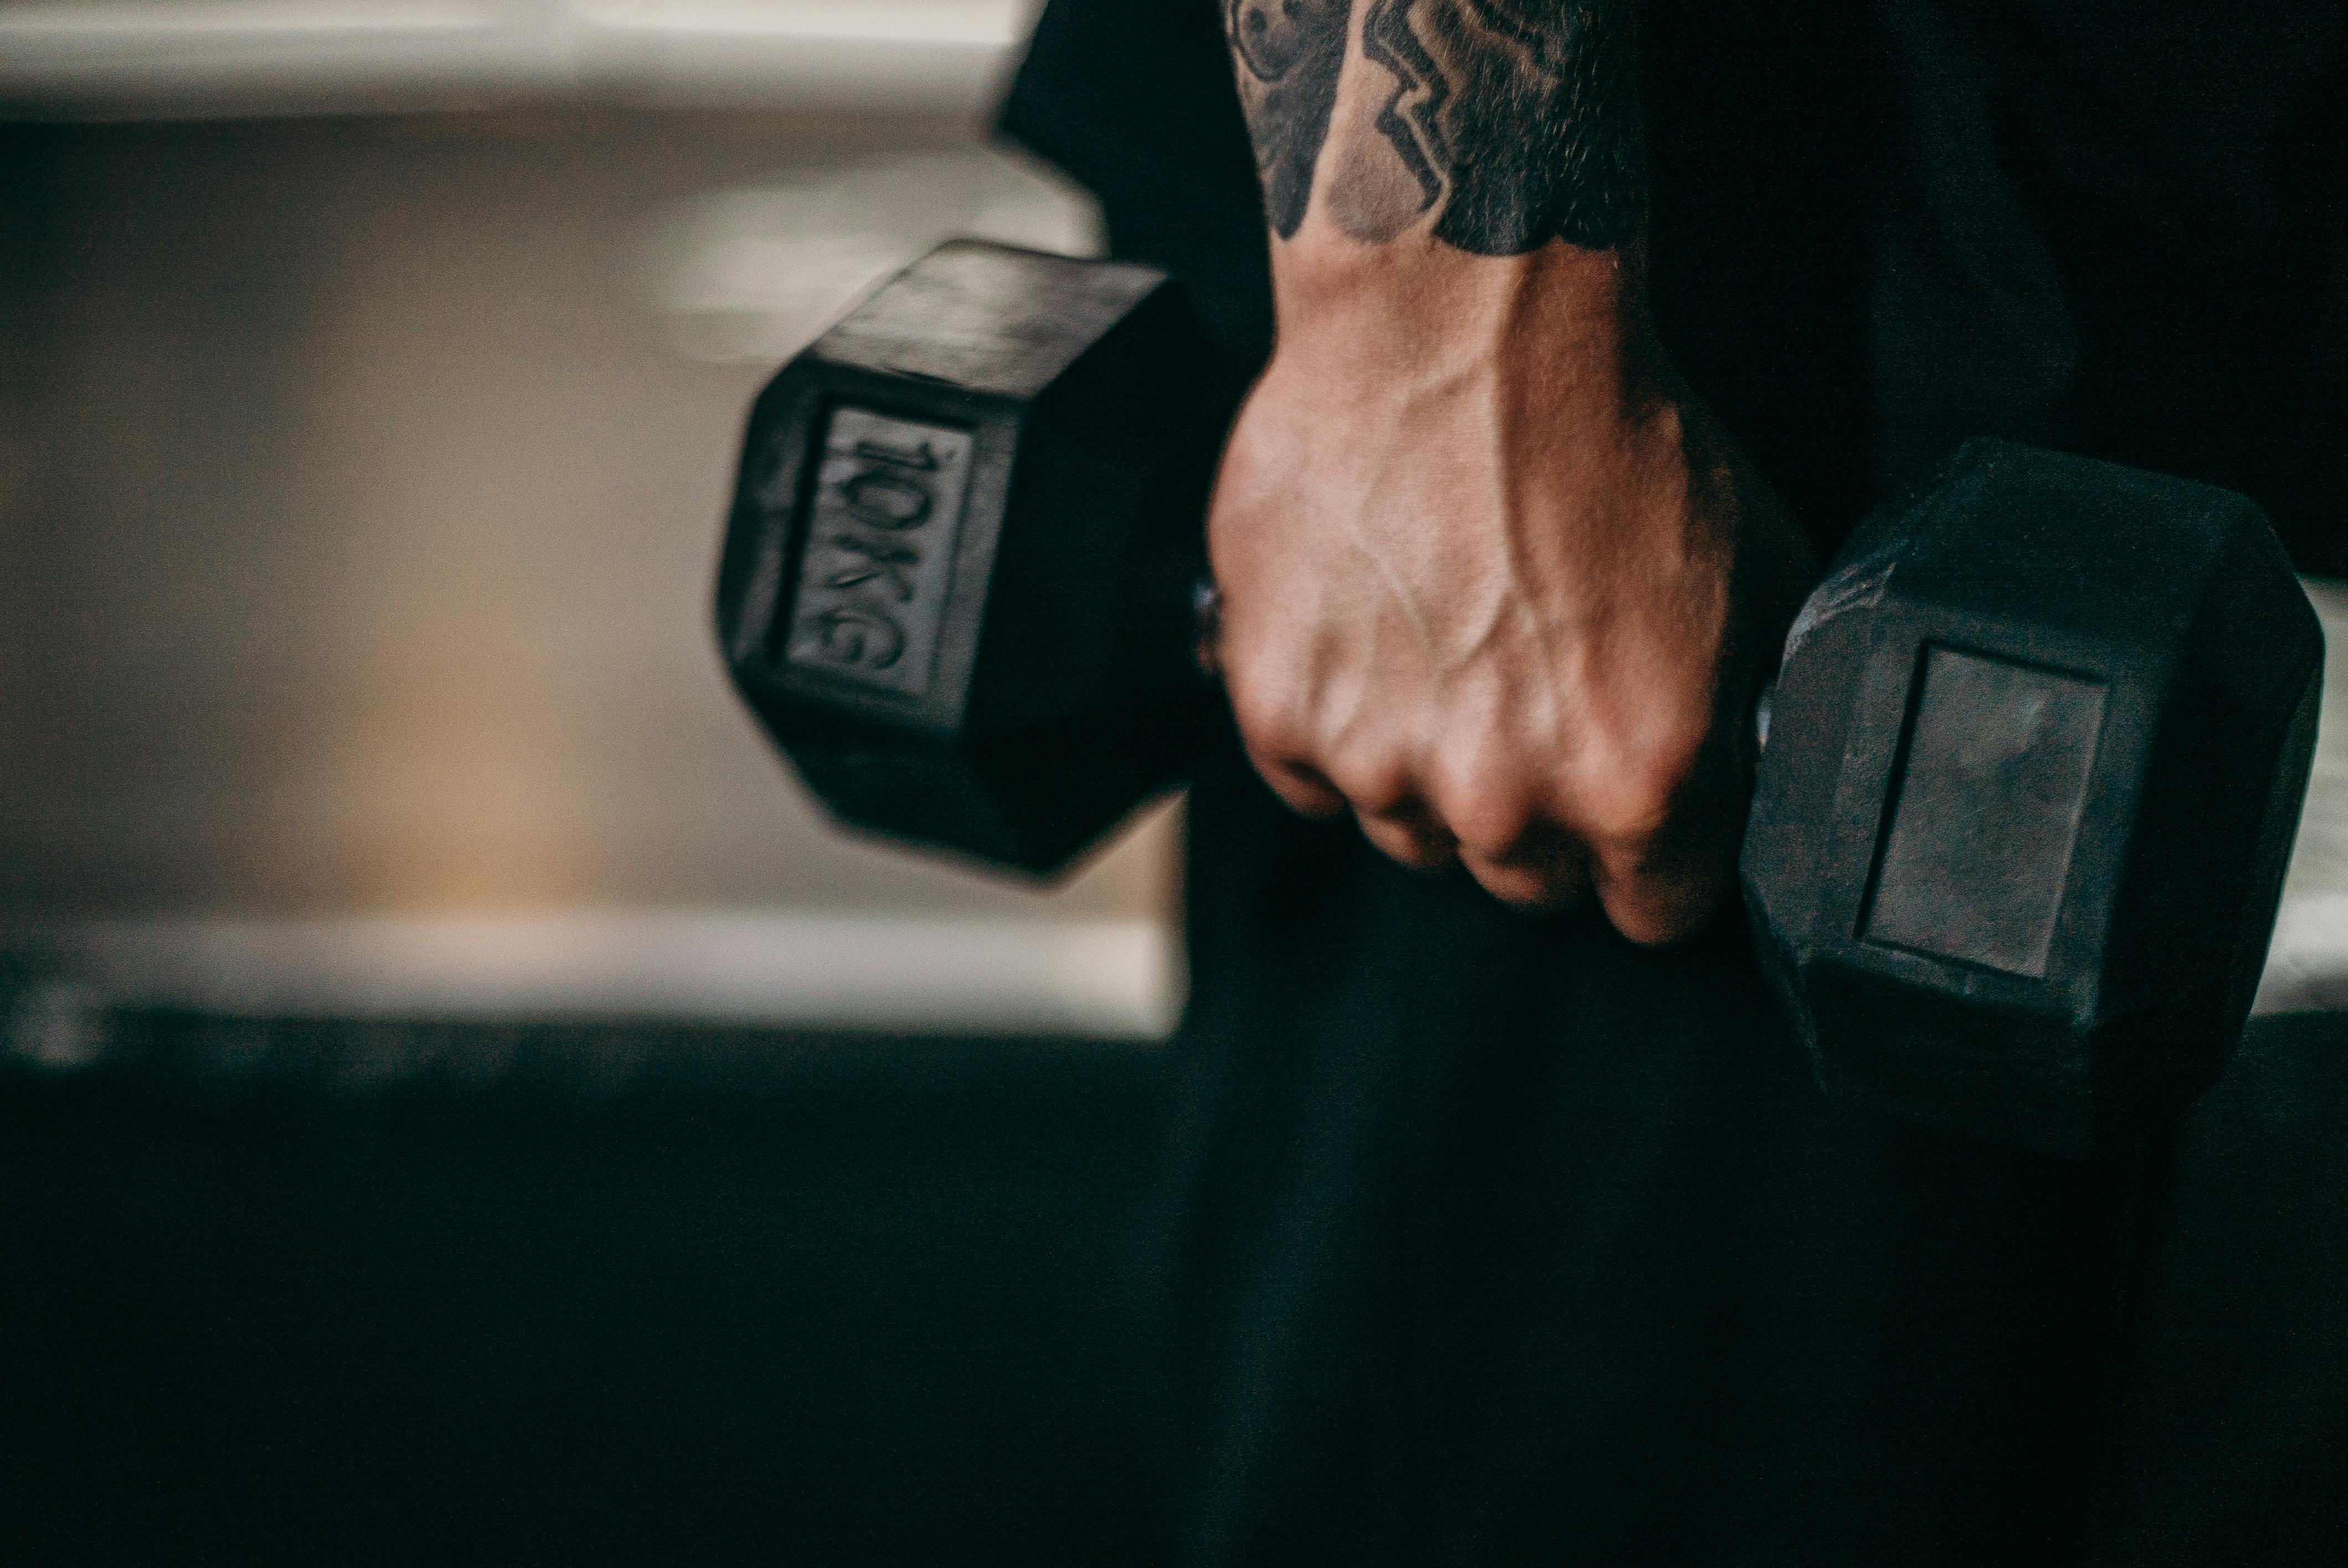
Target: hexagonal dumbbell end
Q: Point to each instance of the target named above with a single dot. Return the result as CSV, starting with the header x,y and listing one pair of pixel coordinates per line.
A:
x,y
955,582
2037,759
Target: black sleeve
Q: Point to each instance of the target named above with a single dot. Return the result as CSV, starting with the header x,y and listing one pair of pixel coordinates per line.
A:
x,y
1133,99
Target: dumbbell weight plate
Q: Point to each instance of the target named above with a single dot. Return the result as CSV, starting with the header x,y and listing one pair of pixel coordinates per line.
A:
x,y
956,577
2037,753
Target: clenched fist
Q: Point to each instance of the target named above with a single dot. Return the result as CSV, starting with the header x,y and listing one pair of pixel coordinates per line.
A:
x,y
1494,582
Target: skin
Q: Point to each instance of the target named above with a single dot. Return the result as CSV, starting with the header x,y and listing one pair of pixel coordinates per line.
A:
x,y
1493,581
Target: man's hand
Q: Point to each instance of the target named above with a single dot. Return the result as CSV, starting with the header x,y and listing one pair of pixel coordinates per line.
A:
x,y
1495,583
1491,579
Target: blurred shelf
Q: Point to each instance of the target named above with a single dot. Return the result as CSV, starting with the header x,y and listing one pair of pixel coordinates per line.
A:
x,y
2307,966
1095,979
127,60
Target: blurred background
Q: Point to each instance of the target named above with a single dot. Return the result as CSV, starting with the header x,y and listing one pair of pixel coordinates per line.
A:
x,y
456,1098
363,473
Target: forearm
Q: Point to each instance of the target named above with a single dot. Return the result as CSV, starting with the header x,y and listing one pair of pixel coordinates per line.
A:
x,y
1485,127
1457,193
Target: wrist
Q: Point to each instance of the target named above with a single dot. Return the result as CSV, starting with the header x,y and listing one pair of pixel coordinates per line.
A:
x,y
1416,311
1418,278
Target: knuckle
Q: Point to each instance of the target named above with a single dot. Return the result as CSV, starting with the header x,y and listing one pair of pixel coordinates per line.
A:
x,y
1482,789
1664,894
1406,845
1303,794
1267,719
1493,820
1523,886
1379,787
1657,916
1635,803
1640,920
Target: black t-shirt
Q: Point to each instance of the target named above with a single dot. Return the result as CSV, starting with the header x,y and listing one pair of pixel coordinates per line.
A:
x,y
1497,1240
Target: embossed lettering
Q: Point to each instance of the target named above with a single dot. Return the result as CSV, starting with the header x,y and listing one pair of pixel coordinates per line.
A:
x,y
886,500
879,546
881,564
920,456
861,636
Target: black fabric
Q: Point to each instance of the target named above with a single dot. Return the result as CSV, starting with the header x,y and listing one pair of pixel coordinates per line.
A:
x,y
1503,1238
1498,1239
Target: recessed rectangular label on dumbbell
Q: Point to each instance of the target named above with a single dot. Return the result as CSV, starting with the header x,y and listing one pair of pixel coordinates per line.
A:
x,y
1985,812
878,554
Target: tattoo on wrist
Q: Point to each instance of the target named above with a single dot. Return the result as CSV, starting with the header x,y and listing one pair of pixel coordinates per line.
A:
x,y
1289,53
1511,122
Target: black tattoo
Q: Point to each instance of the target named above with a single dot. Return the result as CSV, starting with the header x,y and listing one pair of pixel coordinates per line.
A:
x,y
1520,115
1289,52
1512,121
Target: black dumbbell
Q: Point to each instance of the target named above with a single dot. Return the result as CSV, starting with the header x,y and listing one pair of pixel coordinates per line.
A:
x,y
2033,764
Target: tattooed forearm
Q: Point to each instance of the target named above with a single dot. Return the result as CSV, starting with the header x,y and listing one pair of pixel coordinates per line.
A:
x,y
1501,123
1287,53
1518,118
